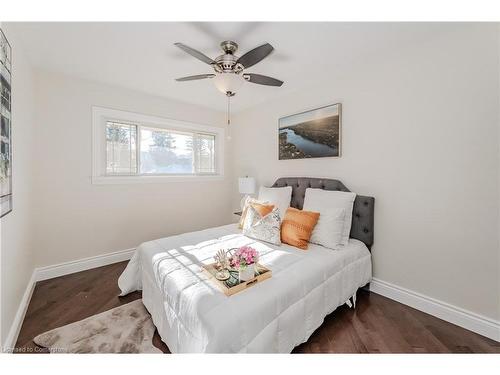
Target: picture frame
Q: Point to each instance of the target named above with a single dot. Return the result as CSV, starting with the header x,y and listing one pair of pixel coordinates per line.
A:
x,y
313,133
5,126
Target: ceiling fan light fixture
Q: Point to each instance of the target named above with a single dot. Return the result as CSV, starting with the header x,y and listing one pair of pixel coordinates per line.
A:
x,y
229,69
228,82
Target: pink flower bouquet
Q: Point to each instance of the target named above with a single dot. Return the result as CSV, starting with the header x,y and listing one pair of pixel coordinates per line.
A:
x,y
243,257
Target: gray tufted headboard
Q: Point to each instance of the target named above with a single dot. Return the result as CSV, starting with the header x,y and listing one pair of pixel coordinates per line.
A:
x,y
362,213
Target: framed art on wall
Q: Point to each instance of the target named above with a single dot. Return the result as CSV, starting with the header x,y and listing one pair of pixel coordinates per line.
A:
x,y
5,127
311,134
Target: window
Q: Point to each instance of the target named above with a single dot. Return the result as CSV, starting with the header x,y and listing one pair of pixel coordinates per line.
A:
x,y
173,152
139,148
121,148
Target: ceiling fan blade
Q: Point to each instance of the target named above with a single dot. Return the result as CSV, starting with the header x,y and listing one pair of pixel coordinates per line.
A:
x,y
262,80
200,56
254,56
192,78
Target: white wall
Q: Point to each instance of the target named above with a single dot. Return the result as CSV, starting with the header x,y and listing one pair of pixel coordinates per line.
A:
x,y
420,134
75,219
16,227
498,125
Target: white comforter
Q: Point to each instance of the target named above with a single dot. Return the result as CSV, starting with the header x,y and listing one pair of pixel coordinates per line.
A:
x,y
276,315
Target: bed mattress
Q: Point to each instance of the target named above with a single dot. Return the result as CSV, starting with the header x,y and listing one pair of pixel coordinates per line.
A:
x,y
193,315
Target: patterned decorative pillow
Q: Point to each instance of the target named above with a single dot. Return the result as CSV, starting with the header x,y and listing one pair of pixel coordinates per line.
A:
x,y
264,228
248,201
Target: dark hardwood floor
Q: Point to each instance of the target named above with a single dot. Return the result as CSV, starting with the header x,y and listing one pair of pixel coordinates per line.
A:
x,y
377,325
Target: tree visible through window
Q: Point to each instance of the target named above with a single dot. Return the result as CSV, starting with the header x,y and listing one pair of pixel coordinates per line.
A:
x,y
121,144
142,150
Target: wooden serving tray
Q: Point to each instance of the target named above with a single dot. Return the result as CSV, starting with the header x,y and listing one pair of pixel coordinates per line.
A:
x,y
232,285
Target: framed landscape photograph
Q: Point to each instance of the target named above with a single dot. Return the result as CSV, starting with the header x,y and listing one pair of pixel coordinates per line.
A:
x,y
5,127
311,134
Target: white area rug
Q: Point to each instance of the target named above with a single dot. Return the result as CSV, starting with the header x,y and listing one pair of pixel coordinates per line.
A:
x,y
124,329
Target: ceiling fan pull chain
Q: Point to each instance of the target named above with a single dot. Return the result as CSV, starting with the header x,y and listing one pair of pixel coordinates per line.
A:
x,y
229,109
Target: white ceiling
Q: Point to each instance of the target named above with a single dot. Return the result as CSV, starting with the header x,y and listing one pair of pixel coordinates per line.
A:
x,y
141,56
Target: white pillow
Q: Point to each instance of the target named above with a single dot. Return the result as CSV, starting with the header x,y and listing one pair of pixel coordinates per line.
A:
x,y
280,197
327,202
329,230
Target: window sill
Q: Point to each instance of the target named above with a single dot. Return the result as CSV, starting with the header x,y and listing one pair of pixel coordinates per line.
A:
x,y
124,180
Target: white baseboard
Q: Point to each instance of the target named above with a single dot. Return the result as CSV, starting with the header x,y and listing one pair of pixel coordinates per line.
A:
x,y
473,322
11,340
66,268
49,272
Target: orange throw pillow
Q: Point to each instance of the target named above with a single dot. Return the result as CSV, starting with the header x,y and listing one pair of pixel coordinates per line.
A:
x,y
297,227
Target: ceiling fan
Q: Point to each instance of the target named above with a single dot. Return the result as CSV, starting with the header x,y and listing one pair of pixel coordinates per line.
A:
x,y
230,69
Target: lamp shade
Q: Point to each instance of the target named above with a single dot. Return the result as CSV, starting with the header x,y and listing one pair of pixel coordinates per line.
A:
x,y
228,82
246,185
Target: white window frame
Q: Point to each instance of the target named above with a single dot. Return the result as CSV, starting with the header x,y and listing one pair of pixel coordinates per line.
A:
x,y
101,115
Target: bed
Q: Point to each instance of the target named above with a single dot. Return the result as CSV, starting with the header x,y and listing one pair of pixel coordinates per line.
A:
x,y
193,315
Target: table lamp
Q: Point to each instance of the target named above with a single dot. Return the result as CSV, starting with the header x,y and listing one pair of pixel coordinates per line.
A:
x,y
246,186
